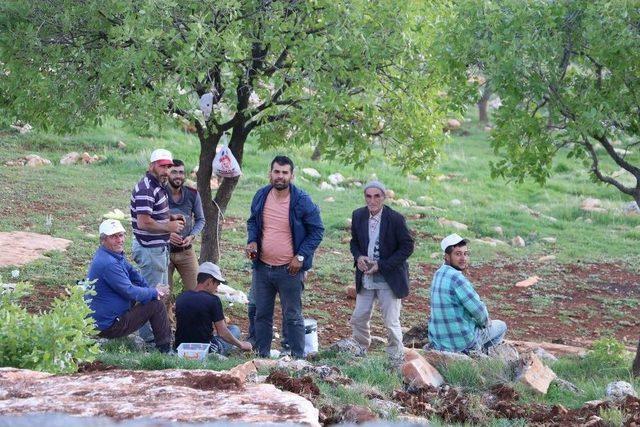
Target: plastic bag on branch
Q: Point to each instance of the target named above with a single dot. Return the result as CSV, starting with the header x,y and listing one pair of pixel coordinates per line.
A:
x,y
225,164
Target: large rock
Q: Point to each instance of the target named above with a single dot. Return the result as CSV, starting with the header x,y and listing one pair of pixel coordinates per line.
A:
x,y
518,242
173,395
618,390
452,124
523,346
335,178
311,172
417,372
631,208
348,345
591,204
505,352
357,414
535,374
32,160
527,282
452,224
26,247
70,158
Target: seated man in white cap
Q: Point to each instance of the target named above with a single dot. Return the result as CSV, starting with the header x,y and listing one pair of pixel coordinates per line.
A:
x,y
199,310
459,320
124,301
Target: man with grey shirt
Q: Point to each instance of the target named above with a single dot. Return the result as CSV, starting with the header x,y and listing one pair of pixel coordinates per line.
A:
x,y
185,201
380,245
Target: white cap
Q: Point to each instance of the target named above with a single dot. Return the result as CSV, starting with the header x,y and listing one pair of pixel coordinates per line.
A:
x,y
110,227
162,156
450,240
212,269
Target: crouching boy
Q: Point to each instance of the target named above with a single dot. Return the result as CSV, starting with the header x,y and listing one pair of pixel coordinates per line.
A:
x,y
199,310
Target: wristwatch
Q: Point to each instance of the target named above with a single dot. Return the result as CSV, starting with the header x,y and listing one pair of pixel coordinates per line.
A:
x,y
300,258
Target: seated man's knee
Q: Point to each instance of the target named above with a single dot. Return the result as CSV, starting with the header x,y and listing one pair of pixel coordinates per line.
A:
x,y
235,330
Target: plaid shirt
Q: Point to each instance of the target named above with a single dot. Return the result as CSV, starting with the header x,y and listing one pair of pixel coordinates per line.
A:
x,y
456,311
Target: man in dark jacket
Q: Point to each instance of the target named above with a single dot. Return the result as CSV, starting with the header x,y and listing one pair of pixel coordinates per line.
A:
x,y
124,301
284,230
380,245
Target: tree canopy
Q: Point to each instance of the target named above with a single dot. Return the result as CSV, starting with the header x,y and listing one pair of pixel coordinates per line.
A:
x,y
568,76
347,74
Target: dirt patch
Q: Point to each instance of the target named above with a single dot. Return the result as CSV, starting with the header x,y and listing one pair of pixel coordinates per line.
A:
x,y
454,406
572,304
210,381
446,402
304,386
22,247
41,298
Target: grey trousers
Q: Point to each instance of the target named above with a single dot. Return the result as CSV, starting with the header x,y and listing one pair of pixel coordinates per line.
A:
x,y
390,308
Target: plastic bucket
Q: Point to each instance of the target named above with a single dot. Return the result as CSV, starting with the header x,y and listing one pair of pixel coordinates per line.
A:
x,y
310,336
193,351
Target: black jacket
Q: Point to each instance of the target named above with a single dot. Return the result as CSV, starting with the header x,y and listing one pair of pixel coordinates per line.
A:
x,y
396,245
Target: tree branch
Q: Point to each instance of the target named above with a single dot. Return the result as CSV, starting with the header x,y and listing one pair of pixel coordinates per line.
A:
x,y
620,161
595,169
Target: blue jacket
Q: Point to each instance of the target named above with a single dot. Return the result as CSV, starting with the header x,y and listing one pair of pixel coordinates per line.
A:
x,y
304,220
119,285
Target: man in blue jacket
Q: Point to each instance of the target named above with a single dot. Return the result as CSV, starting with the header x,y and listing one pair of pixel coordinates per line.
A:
x,y
119,286
284,230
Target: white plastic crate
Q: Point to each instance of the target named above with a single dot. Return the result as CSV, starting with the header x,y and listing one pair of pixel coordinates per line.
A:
x,y
193,351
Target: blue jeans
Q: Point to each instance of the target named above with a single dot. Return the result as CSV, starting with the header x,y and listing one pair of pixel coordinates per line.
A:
x,y
220,346
154,266
491,335
251,314
269,281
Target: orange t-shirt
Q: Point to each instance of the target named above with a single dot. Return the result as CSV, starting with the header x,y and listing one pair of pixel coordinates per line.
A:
x,y
277,241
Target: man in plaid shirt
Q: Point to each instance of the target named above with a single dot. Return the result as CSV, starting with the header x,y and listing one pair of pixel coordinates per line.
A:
x,y
459,319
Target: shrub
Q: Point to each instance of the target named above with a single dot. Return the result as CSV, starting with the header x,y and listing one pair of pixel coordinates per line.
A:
x,y
608,352
55,341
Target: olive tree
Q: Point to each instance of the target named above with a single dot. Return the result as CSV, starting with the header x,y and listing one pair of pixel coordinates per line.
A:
x,y
568,76
345,75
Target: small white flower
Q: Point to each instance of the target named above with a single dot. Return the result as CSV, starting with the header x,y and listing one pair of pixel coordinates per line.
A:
x,y
15,273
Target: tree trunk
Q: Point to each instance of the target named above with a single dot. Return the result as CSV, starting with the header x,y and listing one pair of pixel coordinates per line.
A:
x,y
205,169
483,115
212,232
636,362
317,152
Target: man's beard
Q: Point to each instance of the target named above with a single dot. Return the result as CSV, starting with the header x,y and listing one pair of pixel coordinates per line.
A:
x,y
172,184
279,185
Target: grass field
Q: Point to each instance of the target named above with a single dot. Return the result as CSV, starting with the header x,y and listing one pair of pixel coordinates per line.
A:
x,y
76,197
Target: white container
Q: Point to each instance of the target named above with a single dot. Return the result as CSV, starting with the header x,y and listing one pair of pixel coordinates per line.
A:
x,y
310,336
193,351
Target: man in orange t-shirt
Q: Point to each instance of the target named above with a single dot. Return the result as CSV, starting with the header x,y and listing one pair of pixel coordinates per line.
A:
x,y
284,230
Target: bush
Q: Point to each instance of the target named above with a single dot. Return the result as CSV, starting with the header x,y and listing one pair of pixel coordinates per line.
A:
x,y
55,341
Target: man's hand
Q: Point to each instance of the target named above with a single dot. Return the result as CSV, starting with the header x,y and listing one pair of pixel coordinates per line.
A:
x,y
294,266
372,267
176,239
177,217
246,346
363,263
251,250
187,240
175,226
